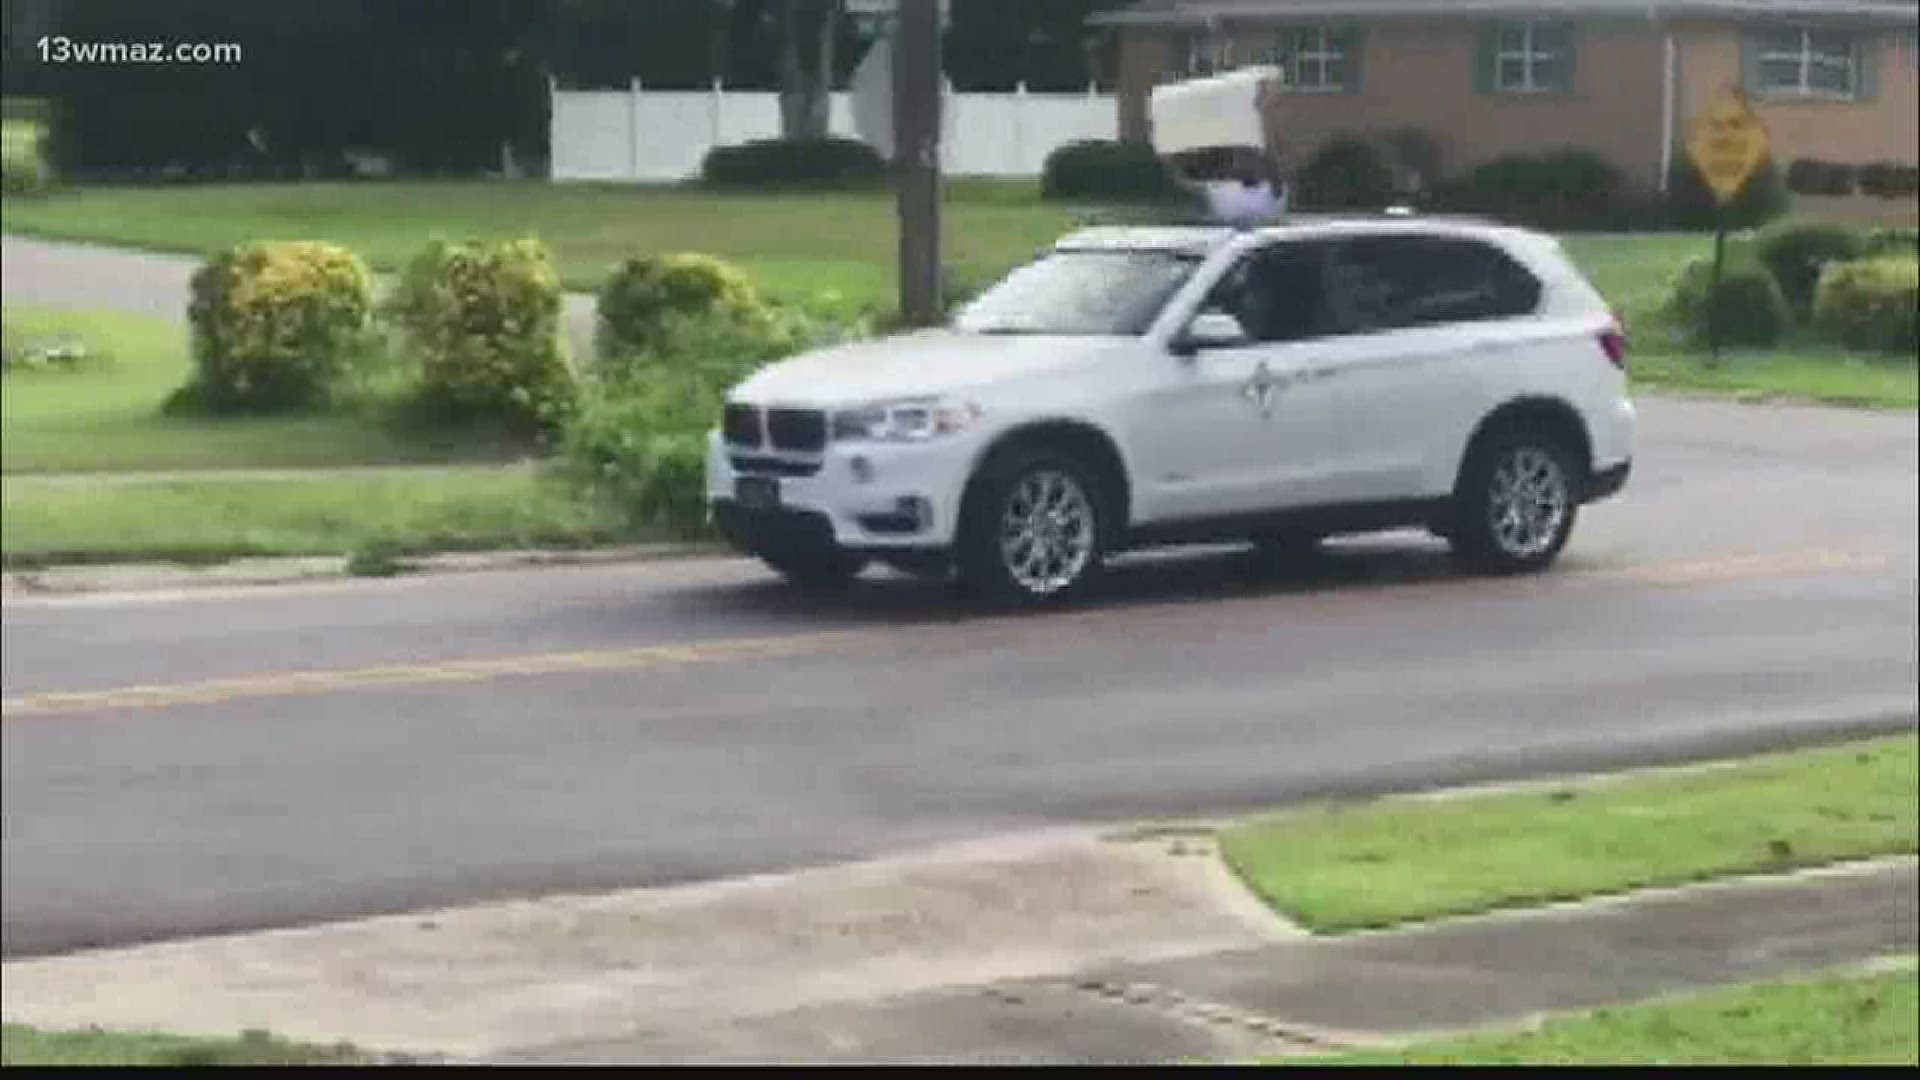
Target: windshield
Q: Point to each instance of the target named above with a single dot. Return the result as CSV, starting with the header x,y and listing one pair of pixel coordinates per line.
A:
x,y
1080,292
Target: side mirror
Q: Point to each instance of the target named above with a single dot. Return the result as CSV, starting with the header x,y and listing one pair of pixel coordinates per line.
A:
x,y
1210,330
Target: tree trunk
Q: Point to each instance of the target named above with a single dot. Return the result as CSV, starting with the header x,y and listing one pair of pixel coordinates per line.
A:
x,y
808,29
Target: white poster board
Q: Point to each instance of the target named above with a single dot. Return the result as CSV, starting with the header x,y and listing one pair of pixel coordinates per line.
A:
x,y
1223,110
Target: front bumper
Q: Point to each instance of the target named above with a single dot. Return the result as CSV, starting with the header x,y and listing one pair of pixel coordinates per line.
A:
x,y
854,496
1607,482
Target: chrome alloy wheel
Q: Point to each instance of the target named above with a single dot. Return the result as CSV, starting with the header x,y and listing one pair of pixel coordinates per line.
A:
x,y
1528,502
1047,532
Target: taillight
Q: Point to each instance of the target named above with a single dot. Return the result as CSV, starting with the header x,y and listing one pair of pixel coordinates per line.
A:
x,y
1613,342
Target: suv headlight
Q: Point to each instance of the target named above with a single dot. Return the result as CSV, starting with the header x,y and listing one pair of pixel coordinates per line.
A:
x,y
906,420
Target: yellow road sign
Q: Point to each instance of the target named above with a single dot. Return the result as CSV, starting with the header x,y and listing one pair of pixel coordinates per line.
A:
x,y
1727,142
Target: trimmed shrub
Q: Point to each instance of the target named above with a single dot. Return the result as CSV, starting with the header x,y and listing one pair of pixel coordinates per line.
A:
x,y
722,348
1690,204
1103,169
1870,304
1811,176
275,326
793,161
1796,251
1893,241
1562,189
484,320
1747,308
648,292
1347,173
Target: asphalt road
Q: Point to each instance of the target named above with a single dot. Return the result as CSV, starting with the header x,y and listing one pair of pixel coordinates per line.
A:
x,y
193,763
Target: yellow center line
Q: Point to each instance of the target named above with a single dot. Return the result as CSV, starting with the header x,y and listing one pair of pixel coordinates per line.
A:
x,y
1738,567
284,684
1143,617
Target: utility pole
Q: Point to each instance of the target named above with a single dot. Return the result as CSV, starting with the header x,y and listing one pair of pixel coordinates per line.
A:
x,y
916,126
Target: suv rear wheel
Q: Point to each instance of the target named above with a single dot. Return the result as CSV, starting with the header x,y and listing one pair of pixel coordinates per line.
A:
x,y
1036,530
1516,501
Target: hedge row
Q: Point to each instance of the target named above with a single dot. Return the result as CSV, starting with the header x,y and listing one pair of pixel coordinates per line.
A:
x,y
791,161
1557,189
1882,179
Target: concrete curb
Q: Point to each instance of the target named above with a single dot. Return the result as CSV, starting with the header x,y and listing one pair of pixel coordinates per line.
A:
x,y
166,577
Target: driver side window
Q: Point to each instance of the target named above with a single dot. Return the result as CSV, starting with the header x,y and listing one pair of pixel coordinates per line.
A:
x,y
1278,293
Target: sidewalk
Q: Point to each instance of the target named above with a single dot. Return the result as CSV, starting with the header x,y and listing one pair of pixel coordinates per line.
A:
x,y
1320,994
1052,947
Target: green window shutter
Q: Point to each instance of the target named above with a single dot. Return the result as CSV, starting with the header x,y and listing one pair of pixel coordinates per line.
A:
x,y
1285,45
1562,40
1750,64
1485,58
1296,42
1866,64
1353,51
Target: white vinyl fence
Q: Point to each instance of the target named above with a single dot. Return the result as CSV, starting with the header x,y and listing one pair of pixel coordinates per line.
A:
x,y
645,135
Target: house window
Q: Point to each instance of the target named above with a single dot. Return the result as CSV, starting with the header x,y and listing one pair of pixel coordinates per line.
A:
x,y
1200,53
1807,63
1529,59
1314,59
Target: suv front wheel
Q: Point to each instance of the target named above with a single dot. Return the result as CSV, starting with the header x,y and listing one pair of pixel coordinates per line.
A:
x,y
1516,502
1036,530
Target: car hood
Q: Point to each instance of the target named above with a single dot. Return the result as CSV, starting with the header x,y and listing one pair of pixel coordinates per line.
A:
x,y
913,365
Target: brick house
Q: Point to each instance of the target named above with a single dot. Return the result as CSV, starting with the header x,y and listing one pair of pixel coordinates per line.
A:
x,y
1832,79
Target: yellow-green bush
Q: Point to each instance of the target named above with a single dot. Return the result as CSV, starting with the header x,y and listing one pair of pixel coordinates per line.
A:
x,y
647,294
484,323
1870,304
23,156
1795,251
275,326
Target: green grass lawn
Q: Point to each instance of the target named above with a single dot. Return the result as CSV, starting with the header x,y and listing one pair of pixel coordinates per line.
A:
x,y
1802,374
21,1045
797,245
1346,867
1840,1019
1634,271
105,416
49,521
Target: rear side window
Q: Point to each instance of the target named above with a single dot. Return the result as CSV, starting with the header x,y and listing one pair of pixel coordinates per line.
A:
x,y
1401,282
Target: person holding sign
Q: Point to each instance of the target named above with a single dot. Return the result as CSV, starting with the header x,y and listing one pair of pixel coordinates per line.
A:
x,y
1212,133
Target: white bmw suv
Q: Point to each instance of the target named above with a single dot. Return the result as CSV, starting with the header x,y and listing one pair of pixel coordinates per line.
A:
x,y
1134,387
